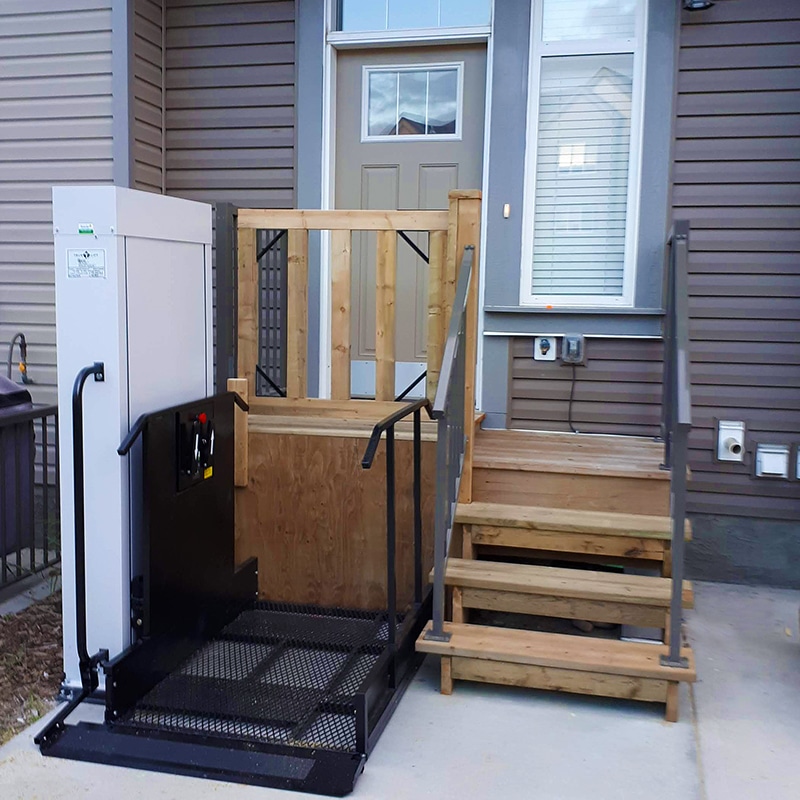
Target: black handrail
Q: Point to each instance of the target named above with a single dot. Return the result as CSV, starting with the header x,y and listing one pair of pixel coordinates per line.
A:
x,y
138,426
386,426
677,417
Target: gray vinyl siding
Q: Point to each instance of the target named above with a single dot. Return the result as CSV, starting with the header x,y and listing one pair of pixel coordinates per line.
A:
x,y
55,128
230,87
148,95
736,178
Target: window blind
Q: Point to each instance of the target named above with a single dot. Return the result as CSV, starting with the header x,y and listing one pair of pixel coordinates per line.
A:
x,y
581,180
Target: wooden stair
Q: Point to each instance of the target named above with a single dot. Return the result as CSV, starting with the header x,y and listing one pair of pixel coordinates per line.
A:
x,y
539,507
565,593
578,535
556,662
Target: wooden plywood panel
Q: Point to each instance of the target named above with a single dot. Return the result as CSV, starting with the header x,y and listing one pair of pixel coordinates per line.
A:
x,y
317,521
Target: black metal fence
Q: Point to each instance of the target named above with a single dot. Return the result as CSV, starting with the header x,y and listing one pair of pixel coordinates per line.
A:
x,y
30,525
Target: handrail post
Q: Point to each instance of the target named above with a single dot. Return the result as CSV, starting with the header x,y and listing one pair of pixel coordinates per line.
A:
x,y
437,633
678,513
391,547
418,507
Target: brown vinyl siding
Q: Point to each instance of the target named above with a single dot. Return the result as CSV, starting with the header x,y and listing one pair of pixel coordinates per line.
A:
x,y
736,171
618,391
55,128
230,101
148,95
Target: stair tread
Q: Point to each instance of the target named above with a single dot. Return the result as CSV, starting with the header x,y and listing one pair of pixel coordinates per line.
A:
x,y
563,582
557,650
615,456
502,515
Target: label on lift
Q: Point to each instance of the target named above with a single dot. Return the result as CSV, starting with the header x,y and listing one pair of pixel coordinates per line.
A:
x,y
86,263
208,473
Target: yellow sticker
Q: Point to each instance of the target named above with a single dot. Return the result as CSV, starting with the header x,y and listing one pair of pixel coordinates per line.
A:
x,y
209,471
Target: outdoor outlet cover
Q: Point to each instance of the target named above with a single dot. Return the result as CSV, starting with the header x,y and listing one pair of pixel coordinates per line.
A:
x,y
572,349
544,348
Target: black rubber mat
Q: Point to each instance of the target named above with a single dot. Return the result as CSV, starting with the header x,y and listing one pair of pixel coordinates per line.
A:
x,y
279,674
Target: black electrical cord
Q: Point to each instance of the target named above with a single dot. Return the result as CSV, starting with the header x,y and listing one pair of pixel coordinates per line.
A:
x,y
572,399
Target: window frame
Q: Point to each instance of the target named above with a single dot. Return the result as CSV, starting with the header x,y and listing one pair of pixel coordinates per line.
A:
x,y
338,36
538,50
367,69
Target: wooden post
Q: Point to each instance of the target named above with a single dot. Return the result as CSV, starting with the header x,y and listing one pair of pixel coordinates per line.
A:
x,y
240,436
248,308
341,249
297,315
386,279
468,215
436,328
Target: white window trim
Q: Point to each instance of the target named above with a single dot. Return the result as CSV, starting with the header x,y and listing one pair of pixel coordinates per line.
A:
x,y
411,36
368,69
538,50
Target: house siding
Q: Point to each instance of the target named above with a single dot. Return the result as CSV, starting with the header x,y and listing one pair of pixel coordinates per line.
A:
x,y
148,96
55,128
736,178
230,100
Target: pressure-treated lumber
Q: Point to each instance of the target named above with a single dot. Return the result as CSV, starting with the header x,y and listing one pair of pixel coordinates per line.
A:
x,y
349,220
571,491
297,314
559,582
320,407
560,651
602,545
566,520
240,434
341,249
330,426
469,234
248,309
385,292
316,520
436,313
558,680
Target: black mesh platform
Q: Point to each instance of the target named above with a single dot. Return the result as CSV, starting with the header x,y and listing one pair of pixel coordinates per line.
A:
x,y
278,673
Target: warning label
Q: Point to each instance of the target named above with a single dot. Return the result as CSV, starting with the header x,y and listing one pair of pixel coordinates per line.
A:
x,y
86,263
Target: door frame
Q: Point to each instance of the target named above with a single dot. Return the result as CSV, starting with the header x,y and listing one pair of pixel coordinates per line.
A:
x,y
334,41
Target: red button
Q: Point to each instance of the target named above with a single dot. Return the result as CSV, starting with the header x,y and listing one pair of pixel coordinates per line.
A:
x,y
202,419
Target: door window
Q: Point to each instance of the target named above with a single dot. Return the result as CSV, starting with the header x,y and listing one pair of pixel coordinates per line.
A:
x,y
412,103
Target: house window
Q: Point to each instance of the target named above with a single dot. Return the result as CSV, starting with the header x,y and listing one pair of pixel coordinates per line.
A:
x,y
582,170
392,15
421,102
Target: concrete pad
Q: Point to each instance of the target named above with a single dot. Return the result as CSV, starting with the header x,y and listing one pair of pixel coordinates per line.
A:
x,y
515,744
748,691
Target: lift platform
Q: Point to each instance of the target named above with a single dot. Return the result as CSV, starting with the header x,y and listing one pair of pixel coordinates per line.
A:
x,y
219,683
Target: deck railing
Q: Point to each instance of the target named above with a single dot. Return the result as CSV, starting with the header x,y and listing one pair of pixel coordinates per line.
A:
x,y
30,533
448,231
677,416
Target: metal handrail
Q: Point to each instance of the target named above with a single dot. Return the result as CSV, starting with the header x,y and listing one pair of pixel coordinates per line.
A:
x,y
449,409
677,418
386,427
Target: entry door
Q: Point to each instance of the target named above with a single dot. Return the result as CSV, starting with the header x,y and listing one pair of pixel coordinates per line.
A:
x,y
409,128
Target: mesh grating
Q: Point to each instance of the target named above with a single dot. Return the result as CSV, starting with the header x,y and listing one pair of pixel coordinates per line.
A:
x,y
280,674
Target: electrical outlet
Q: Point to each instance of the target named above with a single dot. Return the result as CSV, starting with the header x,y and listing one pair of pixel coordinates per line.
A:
x,y
544,348
573,349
